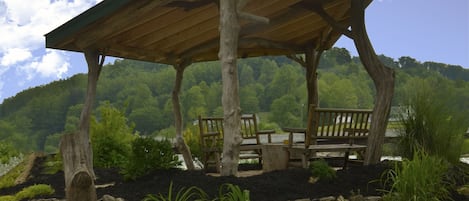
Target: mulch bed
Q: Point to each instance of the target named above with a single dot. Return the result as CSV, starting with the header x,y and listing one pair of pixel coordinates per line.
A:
x,y
281,185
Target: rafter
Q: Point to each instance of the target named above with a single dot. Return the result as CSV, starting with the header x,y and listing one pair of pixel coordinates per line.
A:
x,y
319,9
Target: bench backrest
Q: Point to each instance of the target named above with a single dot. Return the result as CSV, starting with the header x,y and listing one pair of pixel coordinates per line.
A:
x,y
337,124
211,129
249,127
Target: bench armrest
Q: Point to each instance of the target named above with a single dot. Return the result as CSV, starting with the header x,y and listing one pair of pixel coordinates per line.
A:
x,y
266,132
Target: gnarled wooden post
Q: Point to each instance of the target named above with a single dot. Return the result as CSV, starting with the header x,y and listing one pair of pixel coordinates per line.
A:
x,y
180,143
229,32
383,78
76,148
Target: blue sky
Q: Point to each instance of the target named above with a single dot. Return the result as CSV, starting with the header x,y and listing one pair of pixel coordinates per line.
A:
x,y
427,30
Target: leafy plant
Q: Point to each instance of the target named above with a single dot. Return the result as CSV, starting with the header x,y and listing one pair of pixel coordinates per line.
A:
x,y
7,151
320,169
148,154
111,137
231,192
420,179
191,193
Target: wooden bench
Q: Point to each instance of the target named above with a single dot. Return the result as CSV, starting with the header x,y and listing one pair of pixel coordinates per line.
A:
x,y
211,139
332,130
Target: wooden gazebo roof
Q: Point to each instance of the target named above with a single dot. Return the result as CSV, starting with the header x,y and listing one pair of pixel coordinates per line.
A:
x,y
172,31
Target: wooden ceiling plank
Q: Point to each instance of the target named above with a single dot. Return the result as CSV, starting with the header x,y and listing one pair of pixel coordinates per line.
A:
x,y
125,20
171,16
187,20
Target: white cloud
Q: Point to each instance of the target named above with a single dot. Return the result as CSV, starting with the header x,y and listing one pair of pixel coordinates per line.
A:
x,y
53,64
15,55
24,24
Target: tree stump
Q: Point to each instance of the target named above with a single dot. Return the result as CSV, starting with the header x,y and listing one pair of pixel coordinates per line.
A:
x,y
79,182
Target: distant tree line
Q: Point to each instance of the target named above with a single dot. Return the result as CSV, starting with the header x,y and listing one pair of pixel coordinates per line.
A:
x,y
34,119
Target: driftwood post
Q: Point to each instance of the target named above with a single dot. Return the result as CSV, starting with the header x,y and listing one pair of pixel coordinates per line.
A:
x,y
76,148
229,31
383,78
180,143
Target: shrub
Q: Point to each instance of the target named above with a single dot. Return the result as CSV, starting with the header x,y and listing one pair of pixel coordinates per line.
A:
x,y
34,191
320,169
111,137
420,179
192,139
192,193
147,155
7,151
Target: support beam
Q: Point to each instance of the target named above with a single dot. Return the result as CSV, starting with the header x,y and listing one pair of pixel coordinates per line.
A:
x,y
229,32
382,76
312,57
180,143
77,153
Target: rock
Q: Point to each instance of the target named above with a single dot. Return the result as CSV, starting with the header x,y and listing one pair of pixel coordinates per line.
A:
x,y
110,198
330,198
373,198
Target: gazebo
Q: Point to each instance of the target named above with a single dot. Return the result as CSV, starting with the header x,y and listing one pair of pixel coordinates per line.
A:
x,y
181,32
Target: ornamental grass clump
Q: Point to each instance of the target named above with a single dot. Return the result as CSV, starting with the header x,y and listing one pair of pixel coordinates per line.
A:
x,y
419,179
184,194
431,124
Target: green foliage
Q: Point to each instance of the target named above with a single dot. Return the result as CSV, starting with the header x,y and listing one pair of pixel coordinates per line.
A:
x,y
430,124
34,191
465,147
191,193
148,155
231,192
111,137
7,151
8,179
145,89
192,139
320,169
53,164
420,179
8,198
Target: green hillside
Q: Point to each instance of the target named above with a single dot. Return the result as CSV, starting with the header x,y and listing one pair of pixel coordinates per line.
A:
x,y
35,118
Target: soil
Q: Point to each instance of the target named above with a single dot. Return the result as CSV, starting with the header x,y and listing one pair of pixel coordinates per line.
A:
x,y
280,185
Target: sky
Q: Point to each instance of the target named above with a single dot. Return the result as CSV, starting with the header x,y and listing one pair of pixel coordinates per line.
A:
x,y
427,30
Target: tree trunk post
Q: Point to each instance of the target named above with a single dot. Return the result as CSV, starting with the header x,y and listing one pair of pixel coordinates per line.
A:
x,y
229,32
180,143
312,57
77,153
383,78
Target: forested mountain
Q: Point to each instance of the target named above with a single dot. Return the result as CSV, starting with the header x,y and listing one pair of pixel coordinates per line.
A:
x,y
35,118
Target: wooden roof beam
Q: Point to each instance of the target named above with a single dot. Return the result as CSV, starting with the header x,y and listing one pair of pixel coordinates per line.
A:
x,y
319,9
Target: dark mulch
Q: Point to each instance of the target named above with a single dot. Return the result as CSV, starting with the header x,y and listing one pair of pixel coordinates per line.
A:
x,y
278,185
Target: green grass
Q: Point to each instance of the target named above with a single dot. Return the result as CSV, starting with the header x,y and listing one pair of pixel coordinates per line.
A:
x,y
419,179
29,192
465,147
34,191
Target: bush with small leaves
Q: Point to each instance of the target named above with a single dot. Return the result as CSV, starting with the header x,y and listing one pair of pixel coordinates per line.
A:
x,y
147,155
320,169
